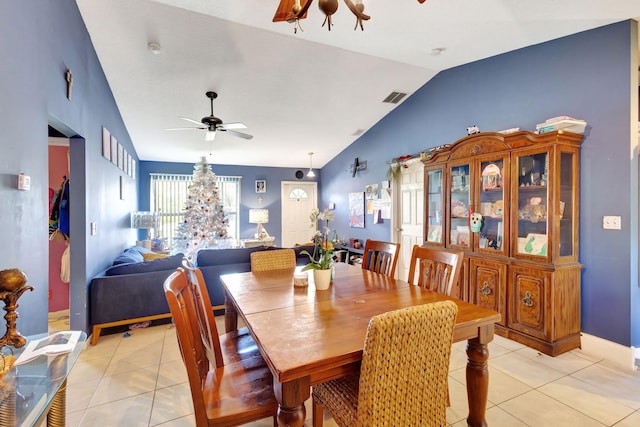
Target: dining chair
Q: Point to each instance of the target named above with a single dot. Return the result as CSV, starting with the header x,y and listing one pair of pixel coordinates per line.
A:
x,y
381,257
221,348
438,269
403,375
277,259
232,394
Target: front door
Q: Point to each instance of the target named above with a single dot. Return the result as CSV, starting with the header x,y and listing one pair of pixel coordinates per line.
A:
x,y
408,191
298,199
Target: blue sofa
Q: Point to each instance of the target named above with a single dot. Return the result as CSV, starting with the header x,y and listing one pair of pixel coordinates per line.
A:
x,y
131,290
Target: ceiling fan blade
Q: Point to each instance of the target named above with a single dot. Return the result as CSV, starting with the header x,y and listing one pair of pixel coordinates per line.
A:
x,y
236,133
191,120
192,128
232,126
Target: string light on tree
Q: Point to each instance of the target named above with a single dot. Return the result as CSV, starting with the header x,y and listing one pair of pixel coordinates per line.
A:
x,y
205,223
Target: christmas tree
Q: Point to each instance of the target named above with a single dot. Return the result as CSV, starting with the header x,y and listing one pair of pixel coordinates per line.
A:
x,y
205,223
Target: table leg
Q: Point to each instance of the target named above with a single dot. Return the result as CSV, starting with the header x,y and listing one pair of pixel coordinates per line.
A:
x,y
57,413
478,377
230,315
291,397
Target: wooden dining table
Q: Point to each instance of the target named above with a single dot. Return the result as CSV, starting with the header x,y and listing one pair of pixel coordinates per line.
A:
x,y
307,336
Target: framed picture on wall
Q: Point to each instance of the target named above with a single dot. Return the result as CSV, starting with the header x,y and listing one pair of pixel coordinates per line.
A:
x,y
133,169
114,150
356,210
261,186
120,156
125,164
106,143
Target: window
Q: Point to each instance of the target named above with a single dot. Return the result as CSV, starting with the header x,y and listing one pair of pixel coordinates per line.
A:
x,y
169,194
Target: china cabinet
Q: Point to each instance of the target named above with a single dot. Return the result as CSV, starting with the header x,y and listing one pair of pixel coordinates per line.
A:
x,y
510,202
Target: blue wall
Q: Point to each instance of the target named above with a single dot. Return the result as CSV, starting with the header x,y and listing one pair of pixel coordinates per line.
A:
x,y
39,41
248,196
586,76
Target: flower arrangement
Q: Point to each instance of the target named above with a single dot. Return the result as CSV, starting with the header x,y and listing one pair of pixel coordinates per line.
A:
x,y
322,257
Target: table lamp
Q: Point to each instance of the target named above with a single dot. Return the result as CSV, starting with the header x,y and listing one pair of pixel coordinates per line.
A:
x,y
145,221
259,216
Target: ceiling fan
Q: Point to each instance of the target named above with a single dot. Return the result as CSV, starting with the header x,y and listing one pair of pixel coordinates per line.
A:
x,y
212,124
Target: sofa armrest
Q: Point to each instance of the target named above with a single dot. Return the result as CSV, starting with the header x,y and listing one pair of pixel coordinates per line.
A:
x,y
127,296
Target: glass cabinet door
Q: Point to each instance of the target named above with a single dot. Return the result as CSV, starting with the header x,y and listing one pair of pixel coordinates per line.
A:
x,y
460,200
490,205
532,229
435,206
566,205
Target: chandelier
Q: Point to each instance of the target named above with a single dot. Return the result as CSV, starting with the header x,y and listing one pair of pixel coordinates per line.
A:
x,y
294,11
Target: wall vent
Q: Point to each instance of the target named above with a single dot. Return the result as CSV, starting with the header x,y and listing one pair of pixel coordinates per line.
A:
x,y
394,97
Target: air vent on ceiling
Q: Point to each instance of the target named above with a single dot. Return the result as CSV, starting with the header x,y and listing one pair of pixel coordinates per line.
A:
x,y
394,97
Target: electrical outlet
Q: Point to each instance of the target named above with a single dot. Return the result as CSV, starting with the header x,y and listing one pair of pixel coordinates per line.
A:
x,y
611,222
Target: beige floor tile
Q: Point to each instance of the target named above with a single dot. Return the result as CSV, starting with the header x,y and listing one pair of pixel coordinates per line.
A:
x,y
619,386
79,394
171,373
121,386
188,421
130,361
566,363
496,417
528,371
588,399
89,369
536,409
134,411
502,387
171,403
632,420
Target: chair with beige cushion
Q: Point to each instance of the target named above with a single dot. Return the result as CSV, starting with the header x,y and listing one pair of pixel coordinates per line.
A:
x,y
223,394
277,259
438,269
404,372
381,257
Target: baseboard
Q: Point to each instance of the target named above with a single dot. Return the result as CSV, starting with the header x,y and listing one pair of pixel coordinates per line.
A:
x,y
625,358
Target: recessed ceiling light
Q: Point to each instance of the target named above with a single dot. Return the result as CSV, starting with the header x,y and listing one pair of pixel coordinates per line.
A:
x,y
437,51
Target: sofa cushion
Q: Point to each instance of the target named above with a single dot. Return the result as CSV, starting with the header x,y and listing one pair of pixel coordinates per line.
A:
x,y
209,257
131,255
168,263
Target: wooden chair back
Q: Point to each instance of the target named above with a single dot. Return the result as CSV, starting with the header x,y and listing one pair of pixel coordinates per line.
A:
x,y
381,257
209,333
277,259
438,269
222,395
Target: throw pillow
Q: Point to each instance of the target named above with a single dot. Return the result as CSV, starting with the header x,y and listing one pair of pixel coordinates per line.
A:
x,y
152,256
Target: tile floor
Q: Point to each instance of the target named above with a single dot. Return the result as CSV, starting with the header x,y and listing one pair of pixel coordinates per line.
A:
x,y
140,381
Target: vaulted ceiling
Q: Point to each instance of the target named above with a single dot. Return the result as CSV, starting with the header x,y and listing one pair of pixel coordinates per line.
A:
x,y
299,91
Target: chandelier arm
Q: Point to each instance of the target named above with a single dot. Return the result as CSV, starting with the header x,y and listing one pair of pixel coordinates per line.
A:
x,y
302,11
352,7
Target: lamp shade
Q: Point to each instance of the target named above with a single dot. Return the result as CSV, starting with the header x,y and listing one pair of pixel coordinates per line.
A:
x,y
258,216
145,220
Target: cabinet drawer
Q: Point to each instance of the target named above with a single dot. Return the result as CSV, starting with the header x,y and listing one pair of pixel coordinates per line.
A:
x,y
487,285
528,299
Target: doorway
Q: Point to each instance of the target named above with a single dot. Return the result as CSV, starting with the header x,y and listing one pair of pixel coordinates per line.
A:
x,y
298,199
58,295
408,213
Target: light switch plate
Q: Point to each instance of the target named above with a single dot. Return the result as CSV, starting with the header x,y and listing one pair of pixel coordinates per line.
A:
x,y
611,222
94,228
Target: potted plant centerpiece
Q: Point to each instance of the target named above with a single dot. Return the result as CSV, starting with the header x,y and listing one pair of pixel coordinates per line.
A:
x,y
322,259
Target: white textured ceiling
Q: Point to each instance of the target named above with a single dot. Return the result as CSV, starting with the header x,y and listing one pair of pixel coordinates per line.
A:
x,y
311,91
